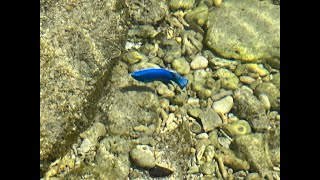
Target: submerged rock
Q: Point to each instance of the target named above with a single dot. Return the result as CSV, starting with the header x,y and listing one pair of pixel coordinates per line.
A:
x,y
210,119
79,44
181,66
252,148
271,91
143,157
252,28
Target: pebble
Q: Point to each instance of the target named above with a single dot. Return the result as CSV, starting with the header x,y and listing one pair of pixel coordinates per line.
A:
x,y
164,91
164,103
199,62
193,102
246,79
97,130
181,66
141,128
194,112
228,79
223,105
202,136
210,120
251,68
143,157
217,2
173,108
264,101
224,142
200,75
207,168
143,65
85,146
271,91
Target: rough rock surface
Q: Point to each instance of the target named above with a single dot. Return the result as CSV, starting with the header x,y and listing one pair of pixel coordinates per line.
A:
x,y
247,30
79,43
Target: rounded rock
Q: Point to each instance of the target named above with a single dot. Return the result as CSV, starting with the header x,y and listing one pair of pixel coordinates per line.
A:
x,y
228,79
223,105
246,79
143,157
181,66
240,127
181,4
271,91
207,168
199,62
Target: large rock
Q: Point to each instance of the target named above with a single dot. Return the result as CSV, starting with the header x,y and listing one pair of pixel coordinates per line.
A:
x,y
79,44
248,30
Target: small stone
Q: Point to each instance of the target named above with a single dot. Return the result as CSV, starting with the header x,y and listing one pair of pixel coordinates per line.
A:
x,y
253,176
194,102
207,168
228,79
250,68
224,142
181,4
265,101
199,62
133,57
97,130
141,128
202,136
143,65
197,86
209,152
193,169
142,156
173,108
200,75
210,119
181,66
271,91
164,91
85,146
164,103
246,79
224,105
194,112
204,93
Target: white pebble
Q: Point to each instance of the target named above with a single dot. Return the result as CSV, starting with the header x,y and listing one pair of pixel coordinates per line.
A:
x,y
223,105
199,62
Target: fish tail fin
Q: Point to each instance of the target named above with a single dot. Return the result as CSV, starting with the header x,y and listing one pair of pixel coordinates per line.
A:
x,y
182,82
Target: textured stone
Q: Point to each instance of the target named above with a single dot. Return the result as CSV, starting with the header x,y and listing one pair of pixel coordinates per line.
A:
x,y
79,44
271,91
181,66
199,62
223,105
142,156
247,30
210,119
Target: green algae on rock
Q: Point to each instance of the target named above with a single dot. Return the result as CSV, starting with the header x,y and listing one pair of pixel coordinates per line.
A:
x,y
246,30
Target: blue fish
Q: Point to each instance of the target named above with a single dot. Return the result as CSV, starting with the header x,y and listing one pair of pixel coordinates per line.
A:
x,y
160,74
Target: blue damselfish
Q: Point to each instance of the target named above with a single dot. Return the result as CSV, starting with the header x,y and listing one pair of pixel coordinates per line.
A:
x,y
159,74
